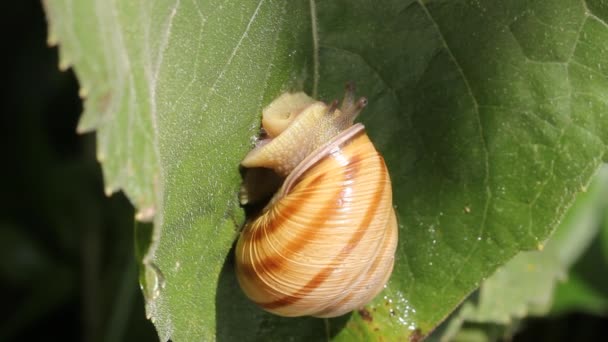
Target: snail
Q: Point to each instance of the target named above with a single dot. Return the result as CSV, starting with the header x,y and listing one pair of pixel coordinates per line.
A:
x,y
324,244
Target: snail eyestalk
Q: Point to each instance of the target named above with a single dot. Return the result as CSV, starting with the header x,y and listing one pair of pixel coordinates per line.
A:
x,y
348,103
333,106
349,95
350,108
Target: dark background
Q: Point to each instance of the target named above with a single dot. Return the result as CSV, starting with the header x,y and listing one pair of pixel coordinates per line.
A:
x,y
67,270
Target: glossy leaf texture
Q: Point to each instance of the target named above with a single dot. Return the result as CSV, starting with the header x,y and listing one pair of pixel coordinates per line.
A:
x,y
491,116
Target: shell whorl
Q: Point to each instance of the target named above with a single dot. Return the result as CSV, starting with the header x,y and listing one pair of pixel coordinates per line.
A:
x,y
325,243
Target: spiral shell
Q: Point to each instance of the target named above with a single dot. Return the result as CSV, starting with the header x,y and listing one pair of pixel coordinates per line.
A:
x,y
324,245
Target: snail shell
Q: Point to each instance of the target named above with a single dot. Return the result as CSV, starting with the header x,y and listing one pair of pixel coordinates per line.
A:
x,y
324,245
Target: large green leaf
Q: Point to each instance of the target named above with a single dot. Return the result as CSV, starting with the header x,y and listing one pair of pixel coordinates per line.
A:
x,y
525,285
491,116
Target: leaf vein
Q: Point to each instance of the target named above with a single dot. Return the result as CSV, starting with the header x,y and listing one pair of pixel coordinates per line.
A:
x,y
234,51
315,47
481,135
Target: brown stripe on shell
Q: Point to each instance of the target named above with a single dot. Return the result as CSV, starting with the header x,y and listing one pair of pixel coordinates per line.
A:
x,y
316,281
275,262
286,213
378,261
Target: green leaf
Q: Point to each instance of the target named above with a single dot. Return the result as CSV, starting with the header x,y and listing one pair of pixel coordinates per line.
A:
x,y
586,289
491,117
117,79
582,295
525,285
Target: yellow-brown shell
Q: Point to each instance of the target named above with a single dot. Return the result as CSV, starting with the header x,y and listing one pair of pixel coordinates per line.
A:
x,y
325,243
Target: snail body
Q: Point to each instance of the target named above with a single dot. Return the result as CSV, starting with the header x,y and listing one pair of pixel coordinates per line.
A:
x,y
324,245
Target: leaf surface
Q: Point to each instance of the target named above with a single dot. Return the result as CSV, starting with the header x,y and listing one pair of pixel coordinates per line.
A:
x,y
526,285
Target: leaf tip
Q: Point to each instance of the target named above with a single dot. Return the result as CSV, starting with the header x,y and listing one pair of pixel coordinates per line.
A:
x,y
146,214
52,40
82,129
64,64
